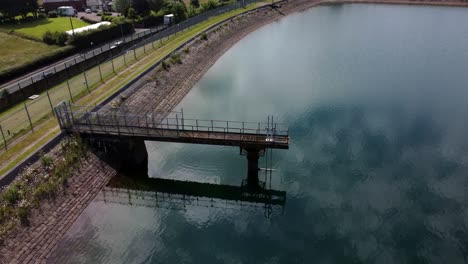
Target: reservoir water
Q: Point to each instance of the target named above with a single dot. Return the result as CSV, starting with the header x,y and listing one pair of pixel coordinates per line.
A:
x,y
375,98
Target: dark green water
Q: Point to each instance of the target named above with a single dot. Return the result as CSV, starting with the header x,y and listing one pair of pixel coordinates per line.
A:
x,y
375,98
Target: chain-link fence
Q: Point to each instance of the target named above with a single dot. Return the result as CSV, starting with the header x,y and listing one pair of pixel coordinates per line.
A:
x,y
24,117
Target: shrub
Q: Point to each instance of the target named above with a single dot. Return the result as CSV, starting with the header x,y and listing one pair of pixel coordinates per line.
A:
x,y
44,190
55,38
203,36
11,195
47,161
23,213
48,38
165,65
195,3
175,58
152,19
106,18
87,20
210,5
107,14
52,14
177,8
192,11
186,50
131,13
4,93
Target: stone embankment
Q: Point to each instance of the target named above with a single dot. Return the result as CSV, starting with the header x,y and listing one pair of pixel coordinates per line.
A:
x,y
51,220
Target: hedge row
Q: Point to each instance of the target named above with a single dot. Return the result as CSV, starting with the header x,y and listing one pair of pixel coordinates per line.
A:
x,y
102,34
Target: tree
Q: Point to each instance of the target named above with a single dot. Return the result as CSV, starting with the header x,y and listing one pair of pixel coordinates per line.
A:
x,y
12,8
156,5
210,5
122,6
177,8
195,3
141,6
131,13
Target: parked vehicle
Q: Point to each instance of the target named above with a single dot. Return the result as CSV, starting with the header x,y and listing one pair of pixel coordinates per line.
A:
x,y
116,44
66,11
88,11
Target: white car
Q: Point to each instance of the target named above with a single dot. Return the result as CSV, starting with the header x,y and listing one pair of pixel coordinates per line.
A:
x,y
88,11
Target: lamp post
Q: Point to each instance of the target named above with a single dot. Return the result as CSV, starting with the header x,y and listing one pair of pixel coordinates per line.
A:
x,y
73,30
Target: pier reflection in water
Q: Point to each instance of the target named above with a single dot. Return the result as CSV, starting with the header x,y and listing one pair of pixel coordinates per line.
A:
x,y
174,194
375,99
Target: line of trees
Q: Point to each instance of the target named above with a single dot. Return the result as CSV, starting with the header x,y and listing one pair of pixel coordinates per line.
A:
x,y
12,8
147,11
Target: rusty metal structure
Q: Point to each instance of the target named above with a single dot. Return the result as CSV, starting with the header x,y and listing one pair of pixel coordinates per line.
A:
x,y
122,134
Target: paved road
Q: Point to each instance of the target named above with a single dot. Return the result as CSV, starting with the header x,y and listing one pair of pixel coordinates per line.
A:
x,y
38,74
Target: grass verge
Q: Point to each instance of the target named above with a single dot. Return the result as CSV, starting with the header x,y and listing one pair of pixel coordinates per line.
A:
x,y
103,90
38,27
16,51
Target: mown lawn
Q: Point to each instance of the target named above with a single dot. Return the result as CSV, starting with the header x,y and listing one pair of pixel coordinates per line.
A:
x,y
39,27
16,51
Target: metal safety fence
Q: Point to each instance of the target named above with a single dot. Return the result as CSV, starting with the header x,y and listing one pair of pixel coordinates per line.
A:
x,y
25,117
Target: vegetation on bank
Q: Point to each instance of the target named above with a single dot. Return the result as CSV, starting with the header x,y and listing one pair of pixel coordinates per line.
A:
x,y
16,51
38,183
38,27
47,125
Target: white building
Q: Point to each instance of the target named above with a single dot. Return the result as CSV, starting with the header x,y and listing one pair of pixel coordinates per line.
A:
x,y
66,11
99,5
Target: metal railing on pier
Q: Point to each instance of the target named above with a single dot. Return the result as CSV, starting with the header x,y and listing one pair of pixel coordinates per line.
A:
x,y
109,121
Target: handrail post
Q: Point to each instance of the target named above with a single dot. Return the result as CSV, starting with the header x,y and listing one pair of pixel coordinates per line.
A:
x,y
177,124
99,122
89,122
147,129
182,111
118,126
196,121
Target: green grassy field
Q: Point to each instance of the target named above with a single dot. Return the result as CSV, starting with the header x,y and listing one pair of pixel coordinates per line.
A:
x,y
38,28
16,120
16,51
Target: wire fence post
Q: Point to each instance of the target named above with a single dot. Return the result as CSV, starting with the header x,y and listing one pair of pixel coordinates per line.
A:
x,y
50,102
86,81
29,117
112,59
68,83
25,107
98,64
134,53
4,139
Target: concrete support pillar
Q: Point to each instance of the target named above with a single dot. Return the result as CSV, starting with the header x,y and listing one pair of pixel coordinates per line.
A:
x,y
252,169
127,155
133,157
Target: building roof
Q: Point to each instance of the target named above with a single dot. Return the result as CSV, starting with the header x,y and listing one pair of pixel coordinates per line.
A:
x,y
59,1
90,27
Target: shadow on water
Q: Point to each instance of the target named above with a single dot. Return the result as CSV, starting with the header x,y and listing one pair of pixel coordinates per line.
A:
x,y
175,194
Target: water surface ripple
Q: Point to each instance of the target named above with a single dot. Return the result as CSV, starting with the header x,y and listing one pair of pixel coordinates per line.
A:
x,y
375,98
